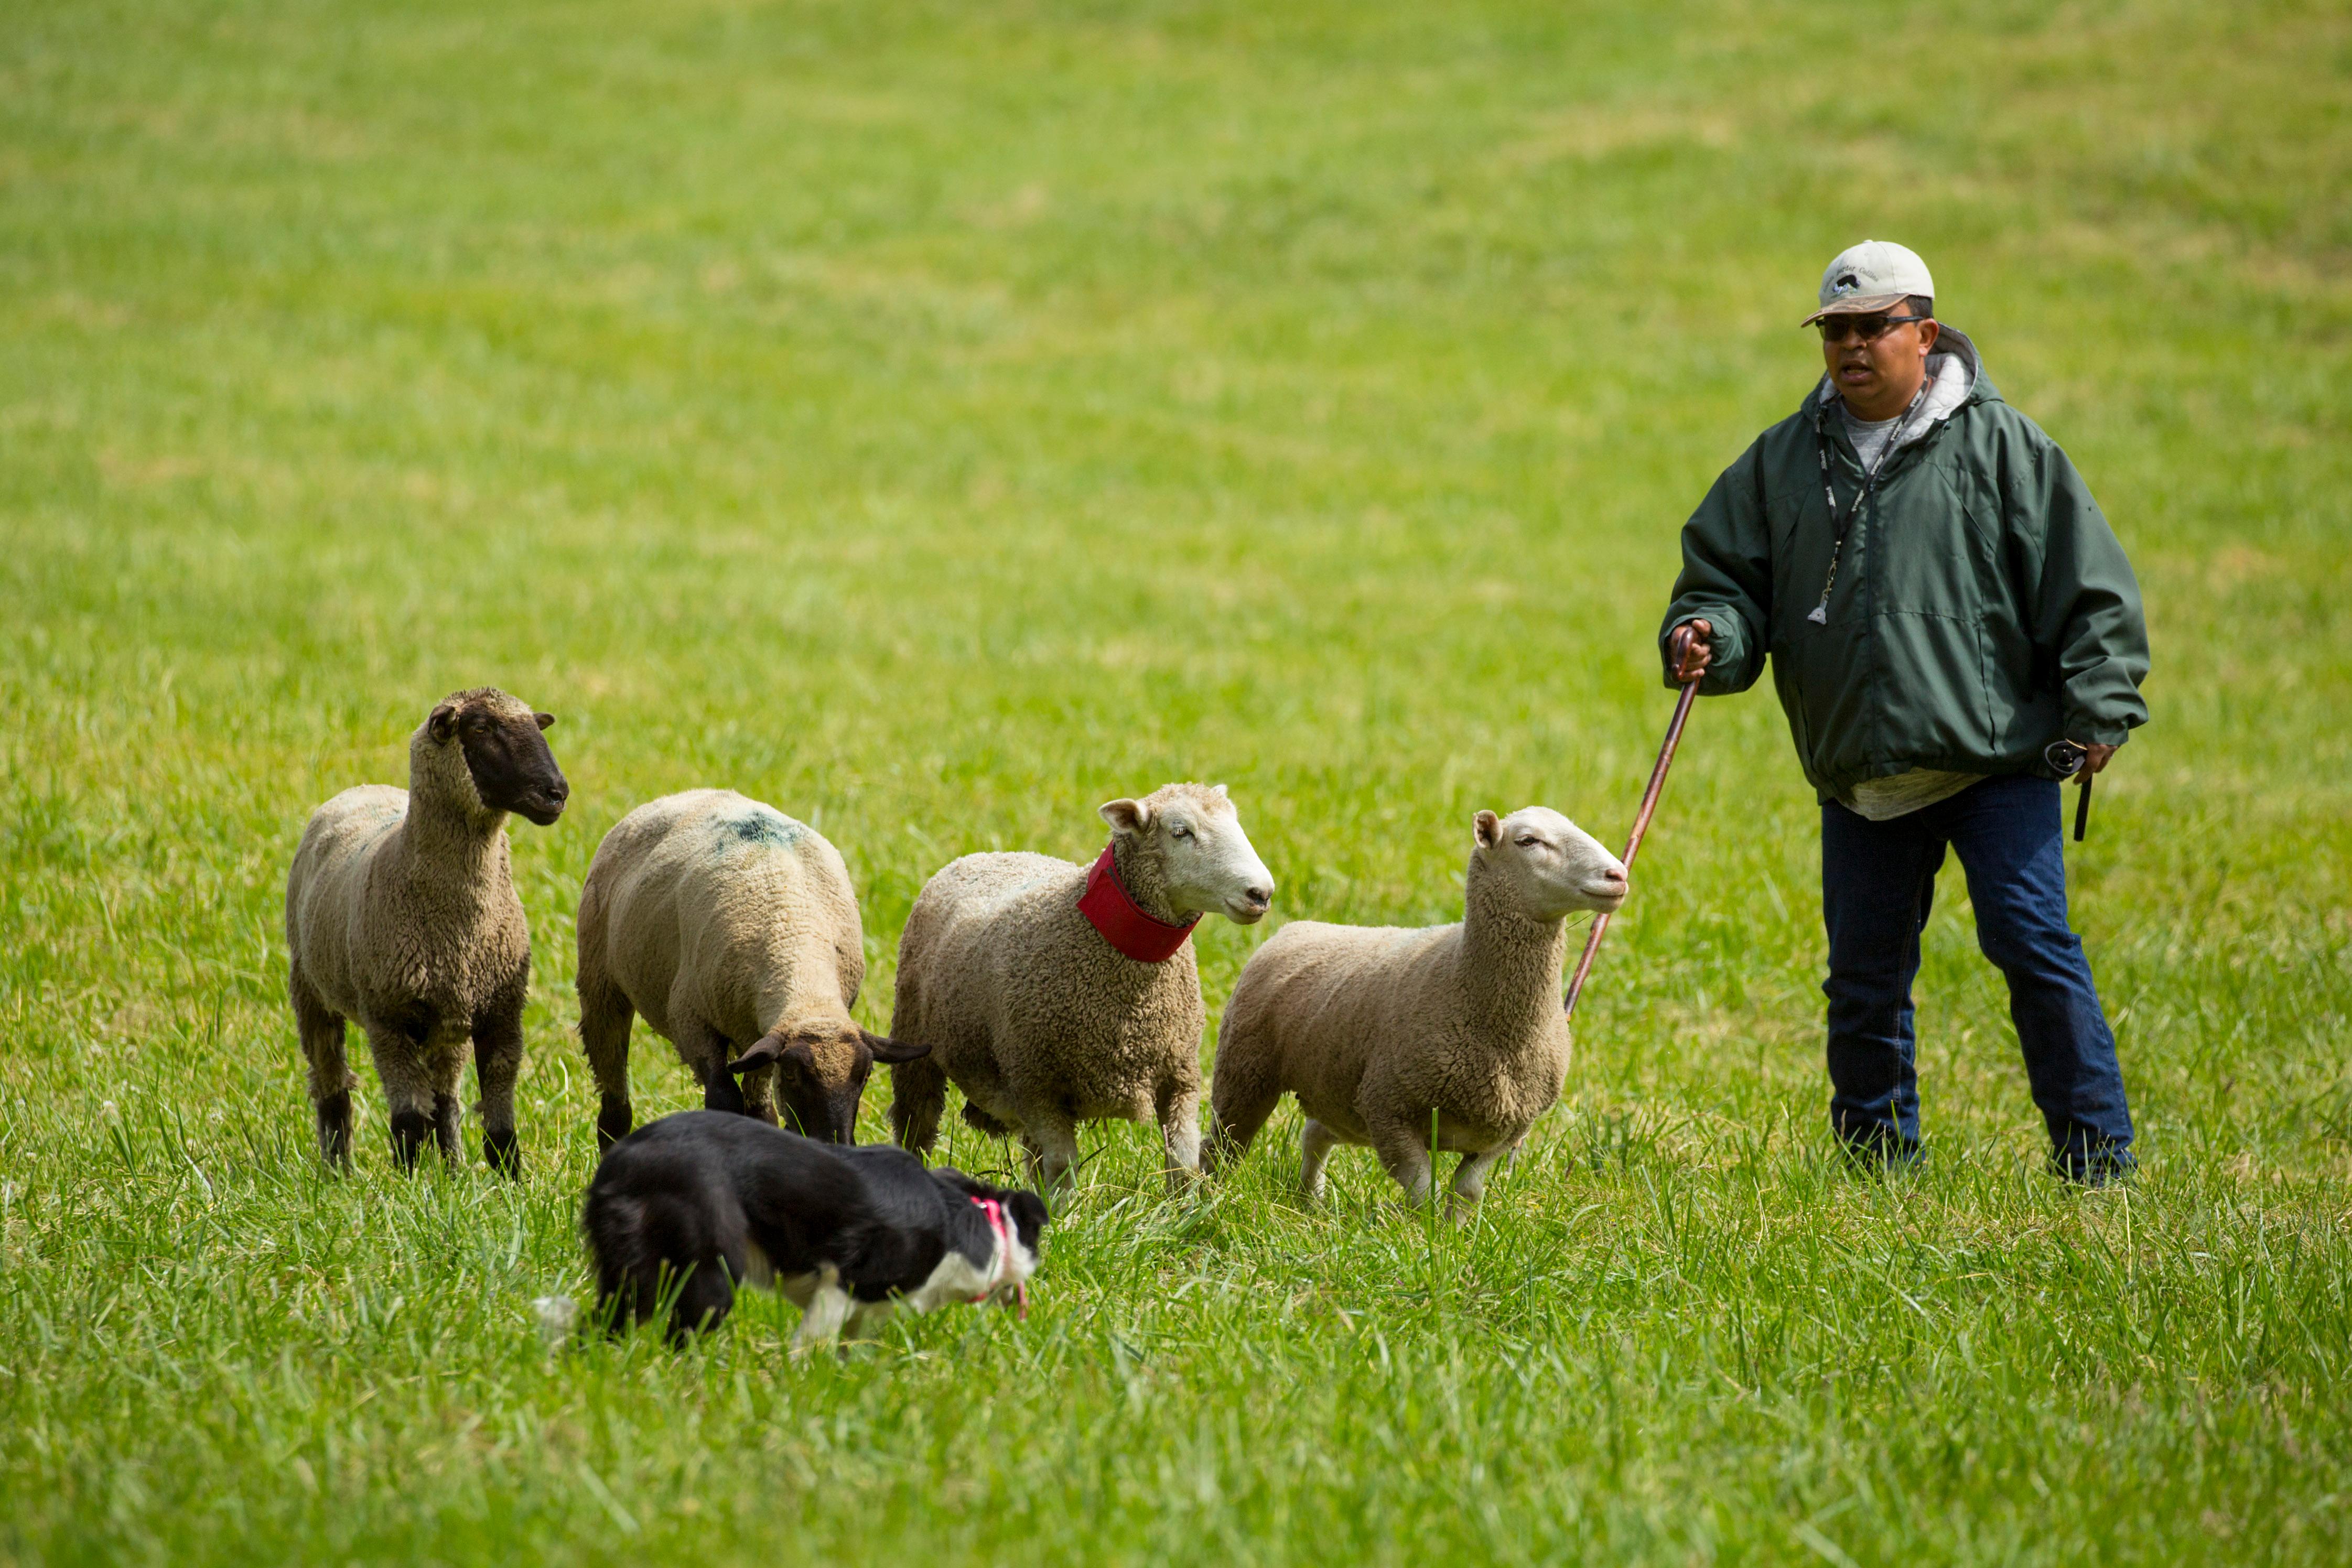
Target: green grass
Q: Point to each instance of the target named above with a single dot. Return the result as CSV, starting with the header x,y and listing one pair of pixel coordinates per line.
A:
x,y
938,421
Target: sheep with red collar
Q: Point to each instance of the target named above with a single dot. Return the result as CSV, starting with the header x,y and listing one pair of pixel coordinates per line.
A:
x,y
1054,993
1381,1030
401,916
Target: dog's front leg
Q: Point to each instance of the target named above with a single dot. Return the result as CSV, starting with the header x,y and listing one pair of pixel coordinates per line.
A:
x,y
865,1320
828,1308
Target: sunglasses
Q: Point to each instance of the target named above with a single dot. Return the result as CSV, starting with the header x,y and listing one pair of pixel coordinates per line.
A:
x,y
1868,328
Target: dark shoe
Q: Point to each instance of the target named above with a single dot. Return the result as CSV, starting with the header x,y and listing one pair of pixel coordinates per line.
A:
x,y
2095,1168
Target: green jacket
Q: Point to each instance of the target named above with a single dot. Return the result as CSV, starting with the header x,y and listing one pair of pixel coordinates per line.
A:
x,y
1982,607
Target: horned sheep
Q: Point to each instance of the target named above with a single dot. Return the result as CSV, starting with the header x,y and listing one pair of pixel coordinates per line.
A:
x,y
1380,1030
401,914
1054,993
732,929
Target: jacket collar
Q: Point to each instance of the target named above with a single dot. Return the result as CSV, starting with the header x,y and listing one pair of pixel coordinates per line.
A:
x,y
1109,907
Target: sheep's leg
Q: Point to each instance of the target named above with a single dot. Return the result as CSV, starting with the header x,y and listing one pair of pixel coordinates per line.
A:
x,y
1241,1095
1404,1152
918,1095
330,1076
398,1047
1315,1143
759,1089
446,1112
706,1053
1052,1138
1178,1106
828,1309
986,1125
604,1018
498,1061
1470,1175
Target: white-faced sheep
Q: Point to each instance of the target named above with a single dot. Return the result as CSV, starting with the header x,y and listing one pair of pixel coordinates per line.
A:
x,y
1055,993
401,914
1377,1030
732,929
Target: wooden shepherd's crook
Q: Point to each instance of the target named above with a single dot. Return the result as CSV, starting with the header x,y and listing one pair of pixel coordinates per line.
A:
x,y
1680,646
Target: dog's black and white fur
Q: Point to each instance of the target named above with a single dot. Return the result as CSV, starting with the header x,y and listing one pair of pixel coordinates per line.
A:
x,y
699,1203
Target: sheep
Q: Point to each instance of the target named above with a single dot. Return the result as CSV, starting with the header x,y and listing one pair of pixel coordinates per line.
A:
x,y
401,914
1055,993
1378,1029
730,927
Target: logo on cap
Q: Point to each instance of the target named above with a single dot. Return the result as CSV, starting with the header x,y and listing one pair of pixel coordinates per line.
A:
x,y
1847,285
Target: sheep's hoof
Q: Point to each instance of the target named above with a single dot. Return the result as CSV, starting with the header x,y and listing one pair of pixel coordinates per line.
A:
x,y
503,1151
335,1129
410,1129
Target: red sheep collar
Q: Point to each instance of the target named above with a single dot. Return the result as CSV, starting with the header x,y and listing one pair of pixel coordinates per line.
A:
x,y
1106,903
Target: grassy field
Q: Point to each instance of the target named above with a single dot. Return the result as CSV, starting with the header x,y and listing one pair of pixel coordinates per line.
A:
x,y
936,421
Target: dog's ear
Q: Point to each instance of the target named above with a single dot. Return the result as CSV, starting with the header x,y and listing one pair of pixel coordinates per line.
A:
x,y
886,1050
764,1053
1028,1212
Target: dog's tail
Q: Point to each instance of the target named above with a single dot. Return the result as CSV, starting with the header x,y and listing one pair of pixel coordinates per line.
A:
x,y
557,1315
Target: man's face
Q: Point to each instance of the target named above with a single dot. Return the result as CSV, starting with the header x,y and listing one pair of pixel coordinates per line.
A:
x,y
1874,366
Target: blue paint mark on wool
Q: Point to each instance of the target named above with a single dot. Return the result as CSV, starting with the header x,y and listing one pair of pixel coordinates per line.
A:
x,y
760,826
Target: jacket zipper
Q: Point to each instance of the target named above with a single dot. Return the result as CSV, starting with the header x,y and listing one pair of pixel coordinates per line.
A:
x,y
1819,613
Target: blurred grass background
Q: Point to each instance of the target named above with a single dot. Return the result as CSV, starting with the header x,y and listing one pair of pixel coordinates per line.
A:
x,y
937,420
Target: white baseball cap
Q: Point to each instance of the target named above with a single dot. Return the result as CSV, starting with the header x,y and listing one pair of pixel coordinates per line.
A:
x,y
1876,275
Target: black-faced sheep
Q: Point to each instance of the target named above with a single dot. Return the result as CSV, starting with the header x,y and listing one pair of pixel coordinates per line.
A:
x,y
401,914
1054,993
1377,1028
732,930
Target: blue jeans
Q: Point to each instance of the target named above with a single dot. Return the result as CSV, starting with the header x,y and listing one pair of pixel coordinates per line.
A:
x,y
1878,881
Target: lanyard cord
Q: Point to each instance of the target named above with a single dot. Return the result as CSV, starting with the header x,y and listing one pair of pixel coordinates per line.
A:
x,y
1819,616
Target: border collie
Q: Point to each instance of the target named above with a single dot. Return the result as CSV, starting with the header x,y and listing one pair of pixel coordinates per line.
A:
x,y
684,1209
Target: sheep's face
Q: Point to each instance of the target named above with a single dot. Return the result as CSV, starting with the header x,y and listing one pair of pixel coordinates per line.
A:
x,y
1206,862
1551,866
821,1072
505,748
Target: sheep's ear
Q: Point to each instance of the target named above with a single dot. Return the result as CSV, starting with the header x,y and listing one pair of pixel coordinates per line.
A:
x,y
1125,816
891,1051
764,1053
1219,790
1488,828
443,724
545,720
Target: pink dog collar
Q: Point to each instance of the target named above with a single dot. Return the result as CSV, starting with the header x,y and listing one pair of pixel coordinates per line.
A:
x,y
1002,1225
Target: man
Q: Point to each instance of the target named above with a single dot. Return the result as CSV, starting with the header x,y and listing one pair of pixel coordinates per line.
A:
x,y
1942,603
